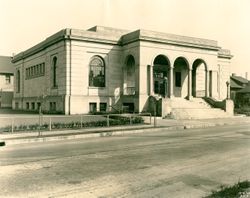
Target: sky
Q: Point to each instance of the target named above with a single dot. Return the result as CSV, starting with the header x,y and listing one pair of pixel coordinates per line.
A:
x,y
24,23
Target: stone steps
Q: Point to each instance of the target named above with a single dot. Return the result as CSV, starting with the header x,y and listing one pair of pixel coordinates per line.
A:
x,y
198,113
195,109
182,103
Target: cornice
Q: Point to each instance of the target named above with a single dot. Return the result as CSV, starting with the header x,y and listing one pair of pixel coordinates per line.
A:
x,y
225,53
111,37
170,39
40,46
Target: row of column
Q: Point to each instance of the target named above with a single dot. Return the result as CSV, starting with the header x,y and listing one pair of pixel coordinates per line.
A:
x,y
171,83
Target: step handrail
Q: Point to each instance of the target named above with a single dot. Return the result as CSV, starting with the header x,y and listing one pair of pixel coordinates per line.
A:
x,y
117,110
214,103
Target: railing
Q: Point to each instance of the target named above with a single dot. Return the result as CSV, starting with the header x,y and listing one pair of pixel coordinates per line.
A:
x,y
129,91
116,110
38,123
214,103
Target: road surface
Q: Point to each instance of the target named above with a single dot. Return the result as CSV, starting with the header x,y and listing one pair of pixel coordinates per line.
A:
x,y
185,163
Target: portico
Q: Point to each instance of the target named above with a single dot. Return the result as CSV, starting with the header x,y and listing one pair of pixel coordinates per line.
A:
x,y
181,79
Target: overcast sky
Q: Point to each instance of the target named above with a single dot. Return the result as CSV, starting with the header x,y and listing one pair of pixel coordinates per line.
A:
x,y
24,23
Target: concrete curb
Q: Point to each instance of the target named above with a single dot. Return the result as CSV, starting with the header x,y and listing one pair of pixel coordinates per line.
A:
x,y
87,135
108,133
199,126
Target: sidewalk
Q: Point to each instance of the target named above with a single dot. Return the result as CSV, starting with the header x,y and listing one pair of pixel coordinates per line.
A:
x,y
166,124
203,123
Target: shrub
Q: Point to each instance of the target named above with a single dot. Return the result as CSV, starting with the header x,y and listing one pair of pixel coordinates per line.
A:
x,y
243,110
114,120
237,190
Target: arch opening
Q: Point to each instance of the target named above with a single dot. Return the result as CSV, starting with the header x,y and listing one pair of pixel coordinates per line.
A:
x,y
199,78
180,79
54,71
97,72
129,76
18,81
161,68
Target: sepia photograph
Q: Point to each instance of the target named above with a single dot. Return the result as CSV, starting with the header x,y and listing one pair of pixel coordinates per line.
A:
x,y
125,99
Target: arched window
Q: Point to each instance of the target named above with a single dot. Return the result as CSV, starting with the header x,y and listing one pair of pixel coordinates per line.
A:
x,y
18,86
130,66
97,72
129,76
54,68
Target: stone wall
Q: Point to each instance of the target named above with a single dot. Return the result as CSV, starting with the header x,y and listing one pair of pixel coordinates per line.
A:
x,y
81,94
39,89
223,77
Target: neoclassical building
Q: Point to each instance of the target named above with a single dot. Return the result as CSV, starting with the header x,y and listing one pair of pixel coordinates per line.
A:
x,y
103,69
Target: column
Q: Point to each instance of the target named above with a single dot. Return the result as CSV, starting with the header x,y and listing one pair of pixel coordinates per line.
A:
x,y
171,82
151,80
228,90
207,84
190,84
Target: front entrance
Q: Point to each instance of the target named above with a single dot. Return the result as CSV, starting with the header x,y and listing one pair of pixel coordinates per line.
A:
x,y
180,81
160,76
160,83
199,79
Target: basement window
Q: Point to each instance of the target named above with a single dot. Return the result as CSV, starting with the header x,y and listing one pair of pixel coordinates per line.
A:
x,y
92,107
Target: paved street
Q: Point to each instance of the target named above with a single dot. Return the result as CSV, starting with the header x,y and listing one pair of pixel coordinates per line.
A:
x,y
185,163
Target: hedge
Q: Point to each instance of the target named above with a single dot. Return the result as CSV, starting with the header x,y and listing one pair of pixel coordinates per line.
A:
x,y
113,121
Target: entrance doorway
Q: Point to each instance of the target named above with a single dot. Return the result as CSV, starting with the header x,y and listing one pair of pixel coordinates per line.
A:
x,y
180,77
199,78
161,75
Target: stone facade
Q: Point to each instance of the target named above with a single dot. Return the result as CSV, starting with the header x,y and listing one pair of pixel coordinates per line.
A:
x,y
132,67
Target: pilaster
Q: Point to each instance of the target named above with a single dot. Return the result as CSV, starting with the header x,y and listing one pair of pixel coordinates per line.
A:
x,y
190,84
171,82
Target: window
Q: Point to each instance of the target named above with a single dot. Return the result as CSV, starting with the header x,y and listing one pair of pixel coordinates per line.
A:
x,y
52,106
103,107
16,105
128,107
178,79
97,72
33,106
32,71
27,105
35,71
92,107
38,105
18,81
43,68
40,69
54,71
7,79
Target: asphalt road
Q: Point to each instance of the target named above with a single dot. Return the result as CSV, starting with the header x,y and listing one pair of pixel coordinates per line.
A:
x,y
185,163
